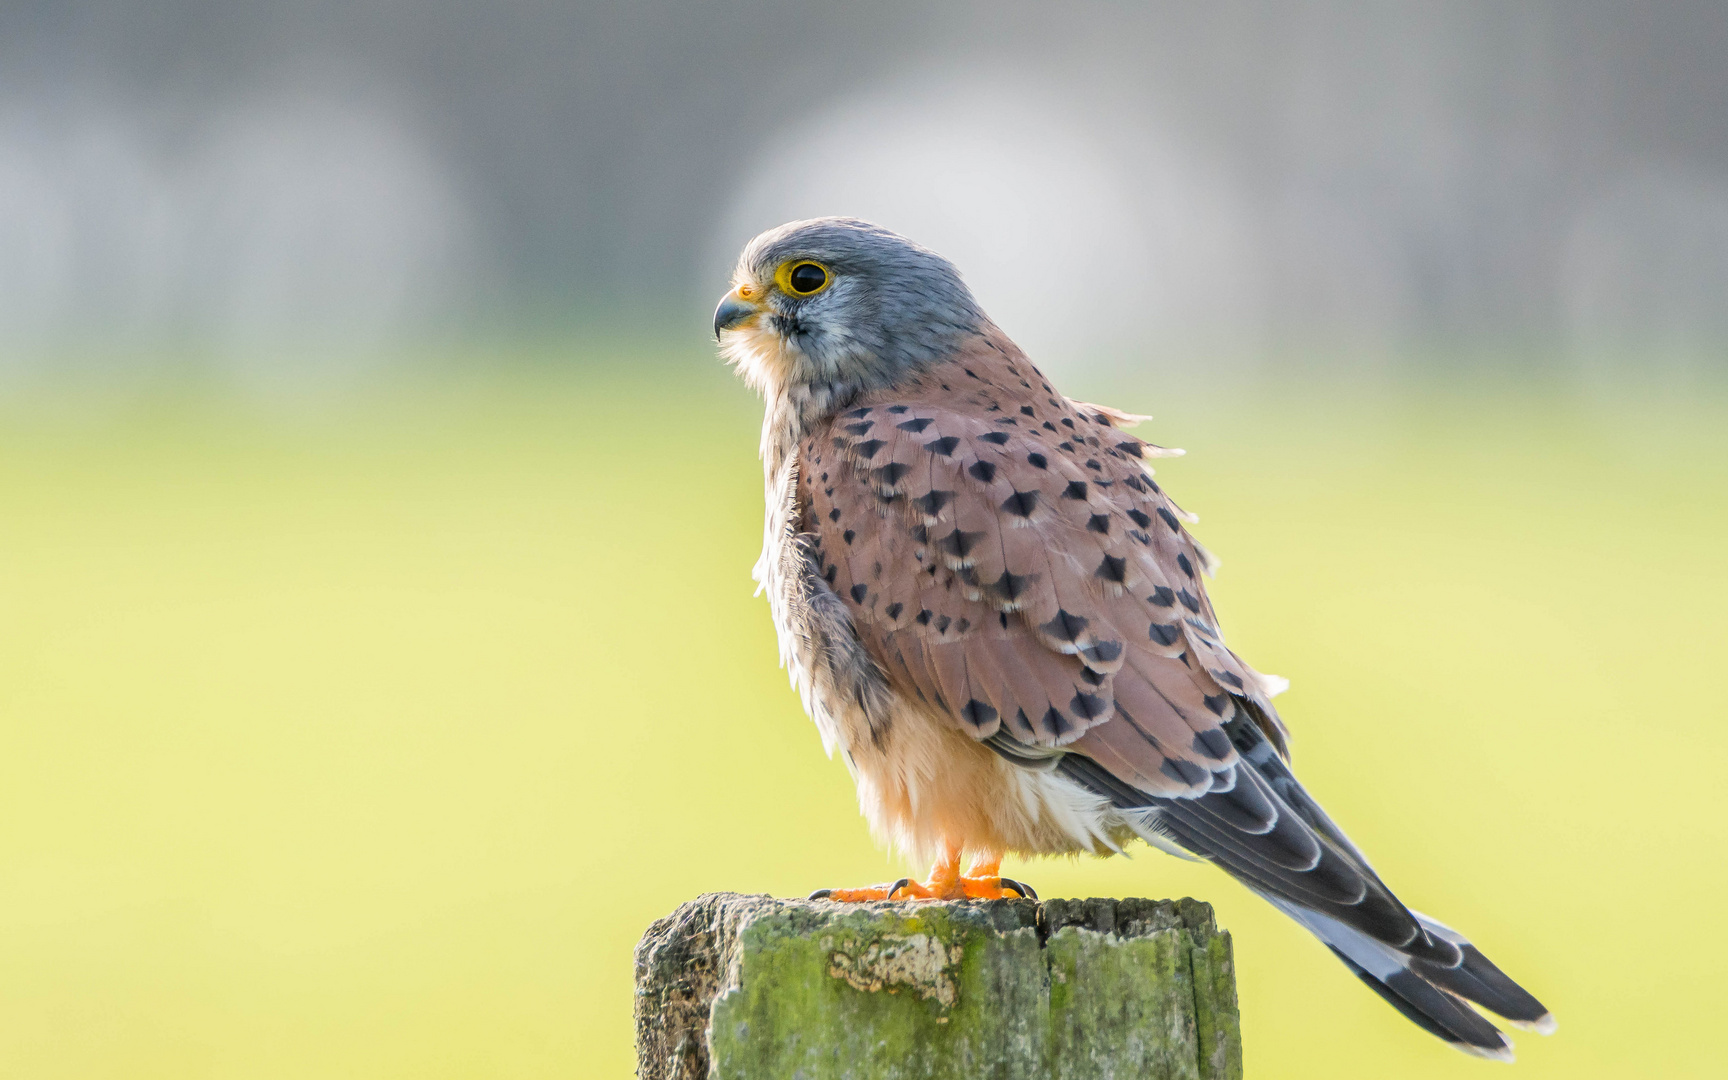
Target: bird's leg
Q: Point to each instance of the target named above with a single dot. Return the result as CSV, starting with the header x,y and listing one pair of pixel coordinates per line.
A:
x,y
984,881
945,882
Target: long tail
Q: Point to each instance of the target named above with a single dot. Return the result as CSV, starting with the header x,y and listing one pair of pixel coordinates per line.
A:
x,y
1428,994
1262,827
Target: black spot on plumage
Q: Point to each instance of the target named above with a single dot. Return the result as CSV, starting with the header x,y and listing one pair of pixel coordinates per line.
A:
x,y
997,437
1132,447
856,413
1088,706
828,575
848,536
1092,678
959,543
1228,678
970,373
893,610
1099,481
1213,743
923,617
944,446
920,535
858,592
1009,420
1067,423
834,514
942,624
1002,617
1026,410
983,471
1065,446
1162,596
1010,585
1163,634
1182,561
1021,503
1076,489
1184,771
1098,523
1140,518
962,626
1104,652
931,503
914,426
1188,600
1140,536
1113,568
828,491
1038,461
1169,519
1047,424
897,409
1054,723
1065,626
1218,703
1092,463
860,428
888,475
978,713
868,448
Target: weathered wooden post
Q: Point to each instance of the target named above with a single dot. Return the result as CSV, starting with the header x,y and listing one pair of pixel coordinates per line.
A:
x,y
753,988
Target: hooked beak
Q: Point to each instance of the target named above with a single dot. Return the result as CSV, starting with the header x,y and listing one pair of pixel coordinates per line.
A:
x,y
733,311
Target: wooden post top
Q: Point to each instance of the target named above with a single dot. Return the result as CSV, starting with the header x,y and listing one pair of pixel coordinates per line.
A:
x,y
754,988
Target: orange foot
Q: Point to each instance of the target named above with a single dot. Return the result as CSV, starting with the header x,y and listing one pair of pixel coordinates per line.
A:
x,y
984,882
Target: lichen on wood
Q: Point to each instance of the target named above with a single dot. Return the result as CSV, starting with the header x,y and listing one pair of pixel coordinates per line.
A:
x,y
753,988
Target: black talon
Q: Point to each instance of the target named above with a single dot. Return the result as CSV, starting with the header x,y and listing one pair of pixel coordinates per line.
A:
x,y
897,886
1025,891
819,894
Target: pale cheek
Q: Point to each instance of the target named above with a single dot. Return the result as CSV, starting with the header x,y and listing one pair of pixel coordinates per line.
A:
x,y
762,357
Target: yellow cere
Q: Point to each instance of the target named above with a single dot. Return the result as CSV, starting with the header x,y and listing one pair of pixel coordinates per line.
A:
x,y
364,740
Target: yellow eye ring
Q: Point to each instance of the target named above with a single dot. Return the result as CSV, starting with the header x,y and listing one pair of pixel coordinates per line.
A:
x,y
803,278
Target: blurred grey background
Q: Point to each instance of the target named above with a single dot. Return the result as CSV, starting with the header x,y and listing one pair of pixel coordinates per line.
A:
x,y
296,187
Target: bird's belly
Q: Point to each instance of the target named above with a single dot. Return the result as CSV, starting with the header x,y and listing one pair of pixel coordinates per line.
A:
x,y
924,784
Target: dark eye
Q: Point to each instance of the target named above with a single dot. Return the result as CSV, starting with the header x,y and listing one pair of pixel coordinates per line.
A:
x,y
807,278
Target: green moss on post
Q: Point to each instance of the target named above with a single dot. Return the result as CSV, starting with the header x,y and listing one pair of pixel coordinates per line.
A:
x,y
753,988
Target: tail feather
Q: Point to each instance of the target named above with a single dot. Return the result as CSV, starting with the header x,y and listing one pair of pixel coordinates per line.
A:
x,y
1478,979
1262,827
1432,996
1434,1011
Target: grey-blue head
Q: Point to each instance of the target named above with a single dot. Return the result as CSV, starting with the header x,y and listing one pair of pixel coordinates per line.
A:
x,y
834,302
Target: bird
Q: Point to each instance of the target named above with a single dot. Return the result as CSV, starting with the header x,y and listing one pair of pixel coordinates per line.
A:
x,y
997,617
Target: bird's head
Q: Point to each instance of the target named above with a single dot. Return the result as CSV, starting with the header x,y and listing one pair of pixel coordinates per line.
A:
x,y
838,302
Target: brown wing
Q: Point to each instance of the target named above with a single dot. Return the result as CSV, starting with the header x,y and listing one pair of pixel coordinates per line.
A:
x,y
1008,559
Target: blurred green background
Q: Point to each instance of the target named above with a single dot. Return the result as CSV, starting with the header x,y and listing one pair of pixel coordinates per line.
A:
x,y
378,653
364,740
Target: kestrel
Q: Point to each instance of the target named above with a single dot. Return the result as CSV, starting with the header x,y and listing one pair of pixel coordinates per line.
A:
x,y
996,615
